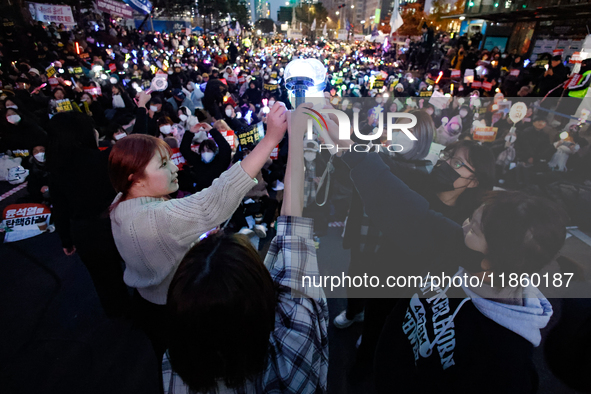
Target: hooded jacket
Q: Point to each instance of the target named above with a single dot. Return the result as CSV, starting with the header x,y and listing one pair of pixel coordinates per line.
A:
x,y
457,341
450,132
196,96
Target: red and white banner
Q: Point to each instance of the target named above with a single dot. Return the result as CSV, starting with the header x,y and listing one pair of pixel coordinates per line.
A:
x,y
275,154
485,134
48,13
576,58
22,221
573,80
229,136
177,158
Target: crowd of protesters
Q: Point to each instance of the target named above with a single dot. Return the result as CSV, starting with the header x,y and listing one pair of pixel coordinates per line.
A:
x,y
145,144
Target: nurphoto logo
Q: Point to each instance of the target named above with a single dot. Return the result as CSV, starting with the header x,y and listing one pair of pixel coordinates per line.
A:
x,y
318,121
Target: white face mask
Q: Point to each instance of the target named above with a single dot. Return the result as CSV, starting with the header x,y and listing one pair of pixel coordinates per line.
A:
x,y
228,112
166,129
183,118
14,119
463,113
271,104
153,108
40,157
378,100
207,157
429,111
119,136
118,101
11,106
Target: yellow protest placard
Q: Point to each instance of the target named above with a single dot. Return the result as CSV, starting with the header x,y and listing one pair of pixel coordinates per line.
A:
x,y
50,71
64,105
270,87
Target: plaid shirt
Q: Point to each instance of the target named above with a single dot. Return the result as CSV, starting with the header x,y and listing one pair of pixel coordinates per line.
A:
x,y
298,347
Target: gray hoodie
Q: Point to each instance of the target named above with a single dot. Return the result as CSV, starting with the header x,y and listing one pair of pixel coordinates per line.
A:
x,y
525,320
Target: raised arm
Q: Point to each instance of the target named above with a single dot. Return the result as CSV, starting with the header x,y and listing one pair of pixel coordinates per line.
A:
x,y
293,196
225,151
402,214
141,114
300,337
191,157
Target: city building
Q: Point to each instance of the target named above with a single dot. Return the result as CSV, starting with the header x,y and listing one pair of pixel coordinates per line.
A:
x,y
529,27
261,9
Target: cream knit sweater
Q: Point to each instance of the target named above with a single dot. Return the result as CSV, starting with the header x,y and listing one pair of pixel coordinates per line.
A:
x,y
154,234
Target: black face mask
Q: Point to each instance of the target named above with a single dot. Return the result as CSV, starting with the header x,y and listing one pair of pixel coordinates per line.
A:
x,y
443,176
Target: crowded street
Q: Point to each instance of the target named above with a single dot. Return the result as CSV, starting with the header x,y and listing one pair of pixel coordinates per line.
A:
x,y
321,203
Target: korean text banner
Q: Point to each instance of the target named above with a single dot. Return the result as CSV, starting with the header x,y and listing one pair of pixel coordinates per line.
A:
x,y
48,13
22,221
116,8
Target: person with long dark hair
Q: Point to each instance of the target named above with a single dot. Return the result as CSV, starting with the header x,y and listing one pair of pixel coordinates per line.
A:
x,y
81,193
213,98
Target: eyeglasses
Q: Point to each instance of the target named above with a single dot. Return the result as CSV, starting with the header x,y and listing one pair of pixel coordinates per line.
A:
x,y
454,162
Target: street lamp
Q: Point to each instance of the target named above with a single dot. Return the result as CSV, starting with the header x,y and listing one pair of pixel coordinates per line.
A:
x,y
337,12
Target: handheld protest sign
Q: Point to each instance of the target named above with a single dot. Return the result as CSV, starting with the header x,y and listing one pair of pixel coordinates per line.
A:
x,y
22,221
517,112
251,136
63,105
484,134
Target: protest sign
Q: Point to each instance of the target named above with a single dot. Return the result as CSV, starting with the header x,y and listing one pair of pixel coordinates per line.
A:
x,y
22,221
251,136
485,134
